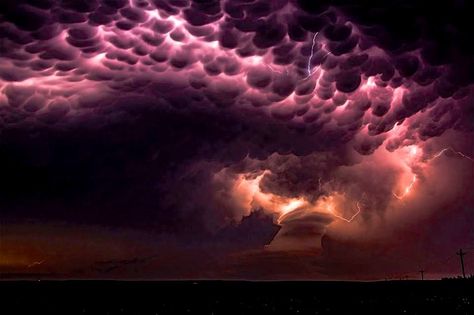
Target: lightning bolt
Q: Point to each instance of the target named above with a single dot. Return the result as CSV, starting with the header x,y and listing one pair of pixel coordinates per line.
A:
x,y
348,220
440,153
407,189
35,263
308,67
311,55
276,71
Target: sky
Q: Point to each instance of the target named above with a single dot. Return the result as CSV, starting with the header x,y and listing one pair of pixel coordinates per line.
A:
x,y
243,139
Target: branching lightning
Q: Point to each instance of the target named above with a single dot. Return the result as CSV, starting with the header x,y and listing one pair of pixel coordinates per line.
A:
x,y
413,151
311,55
440,153
308,67
407,189
276,71
350,219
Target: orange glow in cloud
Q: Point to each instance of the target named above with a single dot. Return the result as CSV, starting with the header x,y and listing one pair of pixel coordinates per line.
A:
x,y
331,208
249,193
292,205
406,190
411,155
408,157
333,203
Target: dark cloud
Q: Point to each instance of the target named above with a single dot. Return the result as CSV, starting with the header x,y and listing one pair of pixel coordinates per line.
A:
x,y
150,114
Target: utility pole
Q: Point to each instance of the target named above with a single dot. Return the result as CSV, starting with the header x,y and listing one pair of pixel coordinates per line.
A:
x,y
422,272
461,254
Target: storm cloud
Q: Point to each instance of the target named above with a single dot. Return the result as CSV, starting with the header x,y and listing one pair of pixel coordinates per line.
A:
x,y
261,126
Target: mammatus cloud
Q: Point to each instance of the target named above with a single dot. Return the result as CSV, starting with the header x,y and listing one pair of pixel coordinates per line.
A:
x,y
203,114
317,71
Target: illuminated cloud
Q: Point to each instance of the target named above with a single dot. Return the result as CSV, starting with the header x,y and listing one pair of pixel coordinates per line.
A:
x,y
188,118
317,71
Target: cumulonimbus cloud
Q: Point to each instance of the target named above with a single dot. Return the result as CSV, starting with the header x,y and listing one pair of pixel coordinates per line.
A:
x,y
321,104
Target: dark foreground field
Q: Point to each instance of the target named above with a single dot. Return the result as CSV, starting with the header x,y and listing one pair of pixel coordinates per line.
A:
x,y
233,297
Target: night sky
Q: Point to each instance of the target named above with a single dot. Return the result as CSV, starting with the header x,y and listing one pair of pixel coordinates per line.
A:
x,y
235,139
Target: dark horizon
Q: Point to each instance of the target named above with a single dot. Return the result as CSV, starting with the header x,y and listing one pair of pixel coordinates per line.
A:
x,y
213,297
